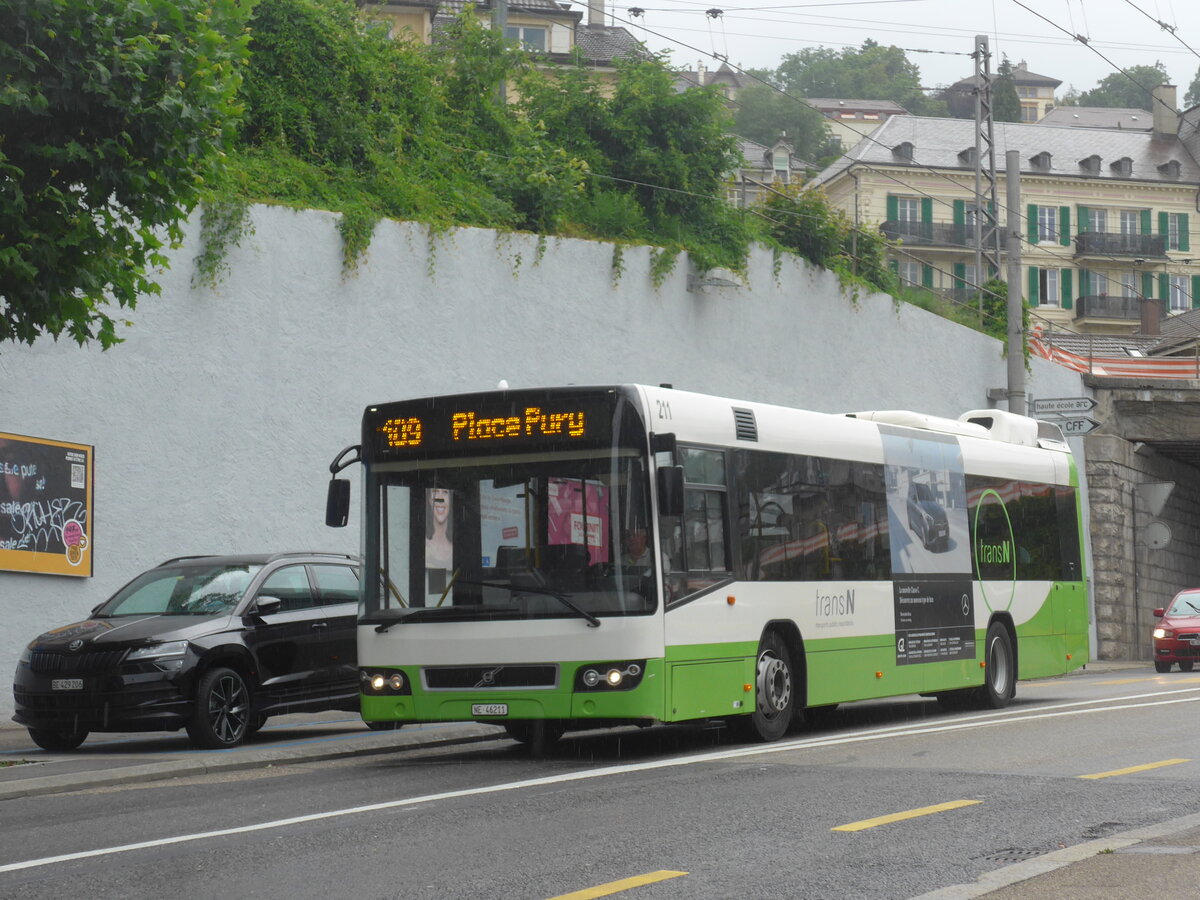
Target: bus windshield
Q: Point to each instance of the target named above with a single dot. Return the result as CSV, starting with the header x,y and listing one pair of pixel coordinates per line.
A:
x,y
521,537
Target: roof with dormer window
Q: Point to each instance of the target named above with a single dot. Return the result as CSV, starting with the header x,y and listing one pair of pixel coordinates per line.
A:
x,y
936,144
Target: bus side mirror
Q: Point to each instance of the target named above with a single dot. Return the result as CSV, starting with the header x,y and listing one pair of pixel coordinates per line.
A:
x,y
670,491
337,503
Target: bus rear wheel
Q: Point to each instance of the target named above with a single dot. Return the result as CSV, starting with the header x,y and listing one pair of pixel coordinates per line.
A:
x,y
774,692
999,674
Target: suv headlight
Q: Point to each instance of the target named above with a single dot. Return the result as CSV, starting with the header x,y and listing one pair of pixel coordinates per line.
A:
x,y
1163,633
158,651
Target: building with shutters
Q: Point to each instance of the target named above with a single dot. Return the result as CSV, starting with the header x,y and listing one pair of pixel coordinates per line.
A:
x,y
1105,217
552,31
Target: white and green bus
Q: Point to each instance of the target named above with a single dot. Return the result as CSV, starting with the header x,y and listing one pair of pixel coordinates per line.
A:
x,y
581,557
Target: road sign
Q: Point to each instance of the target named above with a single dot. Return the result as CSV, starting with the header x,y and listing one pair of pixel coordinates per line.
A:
x,y
1073,427
1063,406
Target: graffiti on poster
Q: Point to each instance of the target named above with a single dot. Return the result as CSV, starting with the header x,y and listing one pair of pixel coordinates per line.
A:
x,y
45,506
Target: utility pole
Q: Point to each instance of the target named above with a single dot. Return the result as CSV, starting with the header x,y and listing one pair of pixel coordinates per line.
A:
x,y
1016,330
987,235
499,24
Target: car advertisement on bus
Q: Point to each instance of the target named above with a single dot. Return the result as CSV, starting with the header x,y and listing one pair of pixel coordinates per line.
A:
x,y
930,545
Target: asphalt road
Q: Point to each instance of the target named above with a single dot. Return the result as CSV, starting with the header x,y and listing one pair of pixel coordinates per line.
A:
x,y
894,799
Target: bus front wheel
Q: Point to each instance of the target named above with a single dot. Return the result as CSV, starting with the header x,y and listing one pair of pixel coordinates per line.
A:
x,y
774,692
525,732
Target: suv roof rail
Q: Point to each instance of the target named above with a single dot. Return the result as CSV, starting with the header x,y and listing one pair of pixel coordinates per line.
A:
x,y
266,557
175,559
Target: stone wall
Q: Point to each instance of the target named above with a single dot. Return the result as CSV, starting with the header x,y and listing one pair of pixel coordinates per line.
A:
x,y
1131,578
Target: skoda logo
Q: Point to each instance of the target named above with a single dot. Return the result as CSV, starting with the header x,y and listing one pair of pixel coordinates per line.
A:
x,y
75,645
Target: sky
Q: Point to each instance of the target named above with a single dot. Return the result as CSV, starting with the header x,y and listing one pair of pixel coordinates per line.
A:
x,y
759,33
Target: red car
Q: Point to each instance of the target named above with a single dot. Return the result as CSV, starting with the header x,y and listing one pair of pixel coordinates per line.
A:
x,y
1177,634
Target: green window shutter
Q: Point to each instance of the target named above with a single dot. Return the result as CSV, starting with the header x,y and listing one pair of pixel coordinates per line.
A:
x,y
1164,286
1085,218
1163,226
926,209
1085,282
960,275
1064,225
960,212
1196,292
894,265
926,276
1031,223
1147,285
1066,289
1185,242
1146,228
893,208
1033,286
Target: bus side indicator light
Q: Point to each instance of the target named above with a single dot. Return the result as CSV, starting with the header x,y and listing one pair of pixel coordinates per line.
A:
x,y
983,664
747,688
878,674
1068,656
732,600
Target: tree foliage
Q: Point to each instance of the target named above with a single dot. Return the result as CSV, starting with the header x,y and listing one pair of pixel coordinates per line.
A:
x,y
870,72
662,155
763,113
1192,97
1129,89
113,116
1006,105
806,223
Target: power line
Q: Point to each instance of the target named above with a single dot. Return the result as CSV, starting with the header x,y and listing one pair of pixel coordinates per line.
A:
x,y
1170,29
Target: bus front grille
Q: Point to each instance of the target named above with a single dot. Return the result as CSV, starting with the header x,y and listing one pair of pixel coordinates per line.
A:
x,y
501,677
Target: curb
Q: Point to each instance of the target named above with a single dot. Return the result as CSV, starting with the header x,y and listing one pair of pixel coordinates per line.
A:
x,y
1060,859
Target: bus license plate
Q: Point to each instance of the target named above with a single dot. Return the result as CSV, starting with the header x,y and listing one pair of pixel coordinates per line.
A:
x,y
66,684
489,709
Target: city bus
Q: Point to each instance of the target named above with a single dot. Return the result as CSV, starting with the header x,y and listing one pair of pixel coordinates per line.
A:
x,y
581,557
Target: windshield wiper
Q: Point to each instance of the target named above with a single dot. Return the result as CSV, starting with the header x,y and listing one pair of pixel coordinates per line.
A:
x,y
562,598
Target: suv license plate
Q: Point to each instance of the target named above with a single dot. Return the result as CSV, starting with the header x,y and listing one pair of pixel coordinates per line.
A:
x,y
66,684
489,709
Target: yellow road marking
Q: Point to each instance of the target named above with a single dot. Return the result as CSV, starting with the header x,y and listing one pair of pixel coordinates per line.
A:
x,y
910,814
1132,769
615,887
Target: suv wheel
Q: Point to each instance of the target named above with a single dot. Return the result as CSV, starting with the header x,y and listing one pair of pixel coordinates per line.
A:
x,y
222,712
56,740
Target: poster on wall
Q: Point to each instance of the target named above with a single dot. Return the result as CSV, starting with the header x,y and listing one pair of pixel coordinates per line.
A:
x,y
45,506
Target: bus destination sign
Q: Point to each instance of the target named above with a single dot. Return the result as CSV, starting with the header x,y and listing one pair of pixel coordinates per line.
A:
x,y
527,423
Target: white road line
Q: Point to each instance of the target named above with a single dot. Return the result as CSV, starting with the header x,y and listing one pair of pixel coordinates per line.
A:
x,y
984,721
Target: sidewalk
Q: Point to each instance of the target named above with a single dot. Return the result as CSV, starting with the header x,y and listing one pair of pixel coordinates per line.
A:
x,y
1157,859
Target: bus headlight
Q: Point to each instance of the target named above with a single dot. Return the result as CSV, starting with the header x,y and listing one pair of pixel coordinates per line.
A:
x,y
610,676
383,682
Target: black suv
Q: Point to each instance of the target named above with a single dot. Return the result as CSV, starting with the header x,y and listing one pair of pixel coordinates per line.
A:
x,y
213,644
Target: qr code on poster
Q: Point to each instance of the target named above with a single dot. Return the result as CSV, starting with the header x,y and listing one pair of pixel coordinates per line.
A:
x,y
77,476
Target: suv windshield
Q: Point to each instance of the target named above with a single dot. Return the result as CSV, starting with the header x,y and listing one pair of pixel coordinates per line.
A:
x,y
542,536
193,590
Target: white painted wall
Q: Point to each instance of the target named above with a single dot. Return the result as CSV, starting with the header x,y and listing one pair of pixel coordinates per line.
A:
x,y
214,423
